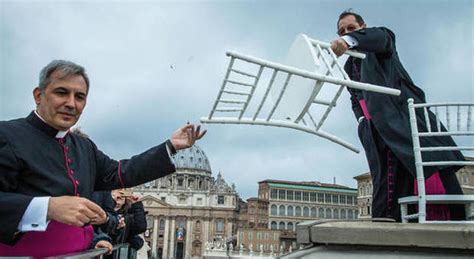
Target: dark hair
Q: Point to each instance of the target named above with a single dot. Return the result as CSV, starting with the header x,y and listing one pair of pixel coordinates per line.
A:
x,y
67,68
347,12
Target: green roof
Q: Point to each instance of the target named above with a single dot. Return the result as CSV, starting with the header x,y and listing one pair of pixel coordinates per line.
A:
x,y
312,188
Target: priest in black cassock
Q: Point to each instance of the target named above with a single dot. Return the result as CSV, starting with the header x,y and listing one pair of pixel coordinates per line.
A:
x,y
48,175
384,128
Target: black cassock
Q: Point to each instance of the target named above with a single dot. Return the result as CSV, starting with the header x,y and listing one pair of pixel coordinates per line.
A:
x,y
386,136
34,163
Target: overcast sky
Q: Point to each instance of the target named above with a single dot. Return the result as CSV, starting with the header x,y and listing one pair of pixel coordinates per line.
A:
x,y
154,65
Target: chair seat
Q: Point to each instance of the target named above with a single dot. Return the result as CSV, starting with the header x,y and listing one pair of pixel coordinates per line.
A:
x,y
439,199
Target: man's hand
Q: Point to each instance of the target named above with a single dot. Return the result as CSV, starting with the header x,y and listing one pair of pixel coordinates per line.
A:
x,y
185,137
104,244
339,46
75,211
121,222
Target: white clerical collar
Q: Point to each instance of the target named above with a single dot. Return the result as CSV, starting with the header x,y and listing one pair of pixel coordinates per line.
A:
x,y
60,134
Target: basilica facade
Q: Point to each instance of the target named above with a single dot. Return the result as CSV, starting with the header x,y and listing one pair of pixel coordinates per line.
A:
x,y
188,208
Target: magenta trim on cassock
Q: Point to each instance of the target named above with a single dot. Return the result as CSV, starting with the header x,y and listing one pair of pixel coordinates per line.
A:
x,y
58,239
120,175
434,185
363,105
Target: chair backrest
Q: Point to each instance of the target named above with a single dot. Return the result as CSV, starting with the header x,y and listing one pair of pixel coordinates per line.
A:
x,y
294,89
452,119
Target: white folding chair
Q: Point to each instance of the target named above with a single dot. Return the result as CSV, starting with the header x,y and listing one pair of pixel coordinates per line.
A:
x,y
311,64
462,120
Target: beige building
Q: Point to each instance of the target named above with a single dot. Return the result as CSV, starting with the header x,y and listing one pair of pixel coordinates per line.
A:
x,y
258,239
293,202
189,208
364,187
364,195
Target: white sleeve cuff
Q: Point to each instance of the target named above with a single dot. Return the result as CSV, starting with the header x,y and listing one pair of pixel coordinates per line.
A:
x,y
351,41
34,218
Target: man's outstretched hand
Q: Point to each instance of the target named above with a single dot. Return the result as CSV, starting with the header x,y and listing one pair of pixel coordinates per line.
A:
x,y
185,136
75,211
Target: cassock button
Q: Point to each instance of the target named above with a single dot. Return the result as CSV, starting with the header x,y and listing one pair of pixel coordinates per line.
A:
x,y
72,172
69,160
77,182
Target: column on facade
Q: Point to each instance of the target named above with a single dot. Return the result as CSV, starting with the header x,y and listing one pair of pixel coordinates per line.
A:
x,y
166,238
189,238
154,239
172,238
228,228
205,234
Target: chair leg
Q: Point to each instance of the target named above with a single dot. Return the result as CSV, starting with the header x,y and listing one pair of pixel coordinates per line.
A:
x,y
469,214
404,211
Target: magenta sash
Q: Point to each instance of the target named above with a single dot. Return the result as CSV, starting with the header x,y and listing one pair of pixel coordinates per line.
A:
x,y
434,185
58,239
363,105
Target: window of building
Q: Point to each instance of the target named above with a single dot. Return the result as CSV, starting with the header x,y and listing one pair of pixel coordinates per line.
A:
x,y
274,210
281,194
273,225
336,213
312,196
306,212
321,213
297,196
162,224
220,225
180,182
335,199
298,211
290,211
320,197
281,226
289,226
313,212
163,199
305,196
182,200
327,198
197,227
273,193
343,214
281,210
250,236
220,199
328,213
465,179
289,195
350,200
199,201
343,199
350,214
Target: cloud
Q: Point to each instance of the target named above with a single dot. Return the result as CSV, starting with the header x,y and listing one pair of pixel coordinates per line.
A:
x,y
155,65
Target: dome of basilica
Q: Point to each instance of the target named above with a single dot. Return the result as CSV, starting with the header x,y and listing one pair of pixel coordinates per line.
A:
x,y
192,158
